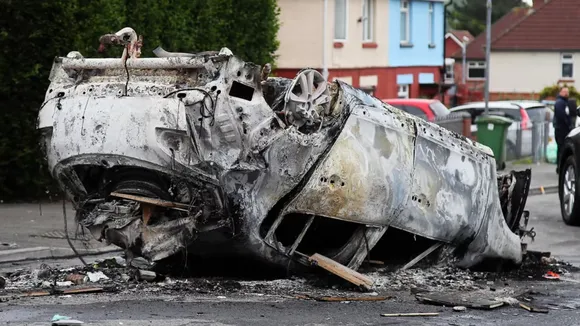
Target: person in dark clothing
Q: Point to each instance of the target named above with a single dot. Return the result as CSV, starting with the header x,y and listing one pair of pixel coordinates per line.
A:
x,y
562,121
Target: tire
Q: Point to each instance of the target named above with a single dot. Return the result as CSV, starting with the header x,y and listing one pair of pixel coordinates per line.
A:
x,y
567,185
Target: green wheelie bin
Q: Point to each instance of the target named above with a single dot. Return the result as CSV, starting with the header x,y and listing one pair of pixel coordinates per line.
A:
x,y
492,132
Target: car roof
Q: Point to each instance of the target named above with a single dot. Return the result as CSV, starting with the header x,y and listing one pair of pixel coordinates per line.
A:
x,y
409,100
527,104
480,105
506,105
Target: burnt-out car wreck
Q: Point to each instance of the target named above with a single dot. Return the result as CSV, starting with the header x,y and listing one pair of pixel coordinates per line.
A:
x,y
205,154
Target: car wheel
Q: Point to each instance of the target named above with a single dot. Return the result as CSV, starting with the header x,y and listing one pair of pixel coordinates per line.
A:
x,y
567,183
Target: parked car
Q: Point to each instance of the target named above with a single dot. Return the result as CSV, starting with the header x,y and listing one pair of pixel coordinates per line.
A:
x,y
513,110
424,108
568,177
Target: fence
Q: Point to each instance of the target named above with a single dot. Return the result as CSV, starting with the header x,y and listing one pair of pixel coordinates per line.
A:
x,y
530,140
460,122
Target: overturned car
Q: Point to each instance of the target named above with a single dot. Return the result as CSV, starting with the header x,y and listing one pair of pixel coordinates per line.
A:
x,y
205,154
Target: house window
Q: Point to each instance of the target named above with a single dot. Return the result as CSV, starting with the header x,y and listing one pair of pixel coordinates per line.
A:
x,y
431,24
340,20
368,89
567,65
368,20
403,91
476,70
405,23
449,73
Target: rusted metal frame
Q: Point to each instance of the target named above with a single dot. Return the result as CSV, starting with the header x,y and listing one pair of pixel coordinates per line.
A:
x,y
422,255
301,236
364,248
273,228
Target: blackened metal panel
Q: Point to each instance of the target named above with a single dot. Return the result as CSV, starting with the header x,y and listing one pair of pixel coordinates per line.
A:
x,y
451,182
367,176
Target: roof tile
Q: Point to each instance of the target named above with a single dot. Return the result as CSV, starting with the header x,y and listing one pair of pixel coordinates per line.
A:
x,y
476,48
553,26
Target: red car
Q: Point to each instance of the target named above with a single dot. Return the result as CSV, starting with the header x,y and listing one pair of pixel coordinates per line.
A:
x,y
425,108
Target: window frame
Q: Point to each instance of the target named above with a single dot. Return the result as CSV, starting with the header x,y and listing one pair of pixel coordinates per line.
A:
x,y
480,65
431,23
345,23
407,10
566,61
449,74
400,91
368,21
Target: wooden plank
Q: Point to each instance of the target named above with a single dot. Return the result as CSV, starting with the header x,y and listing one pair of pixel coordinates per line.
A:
x,y
340,299
467,299
421,256
342,271
412,314
531,308
153,201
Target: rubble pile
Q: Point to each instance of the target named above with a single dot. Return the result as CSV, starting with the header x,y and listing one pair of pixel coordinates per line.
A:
x,y
118,275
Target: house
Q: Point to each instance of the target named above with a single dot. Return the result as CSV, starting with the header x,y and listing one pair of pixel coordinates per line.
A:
x,y
473,88
539,50
455,41
390,48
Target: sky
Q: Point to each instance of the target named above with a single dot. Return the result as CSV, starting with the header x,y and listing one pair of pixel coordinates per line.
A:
x,y
528,2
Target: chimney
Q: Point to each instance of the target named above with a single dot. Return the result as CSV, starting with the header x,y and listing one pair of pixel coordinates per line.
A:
x,y
538,3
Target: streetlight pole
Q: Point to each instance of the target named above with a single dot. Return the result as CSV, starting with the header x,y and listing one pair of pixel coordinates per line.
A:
x,y
487,55
325,38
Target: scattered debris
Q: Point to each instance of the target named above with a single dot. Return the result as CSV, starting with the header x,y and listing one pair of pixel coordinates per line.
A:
x,y
96,276
551,276
469,299
141,263
531,308
58,317
67,322
412,314
2,282
548,260
77,279
147,275
6,245
459,308
338,299
67,291
342,271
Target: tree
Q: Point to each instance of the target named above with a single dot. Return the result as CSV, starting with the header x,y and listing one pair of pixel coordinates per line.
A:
x,y
33,32
471,14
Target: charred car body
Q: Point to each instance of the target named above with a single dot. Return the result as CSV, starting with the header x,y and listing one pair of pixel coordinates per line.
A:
x,y
200,152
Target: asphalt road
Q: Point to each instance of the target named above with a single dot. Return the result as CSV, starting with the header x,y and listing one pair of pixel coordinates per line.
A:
x,y
150,308
552,234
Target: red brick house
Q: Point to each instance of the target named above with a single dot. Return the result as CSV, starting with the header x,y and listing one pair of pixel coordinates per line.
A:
x,y
473,89
539,50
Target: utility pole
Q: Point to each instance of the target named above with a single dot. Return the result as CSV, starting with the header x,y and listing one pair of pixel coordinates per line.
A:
x,y
487,55
324,41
